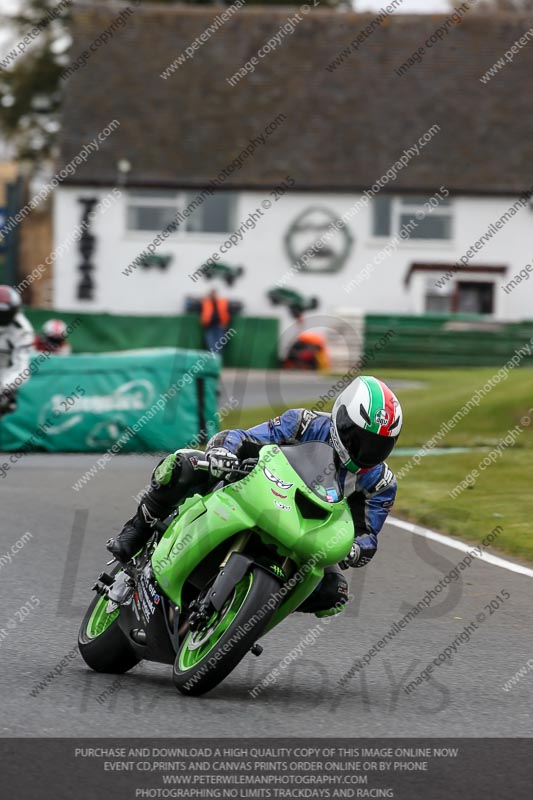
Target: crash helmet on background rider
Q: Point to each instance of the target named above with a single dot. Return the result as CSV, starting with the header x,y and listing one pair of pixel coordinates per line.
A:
x,y
10,305
55,331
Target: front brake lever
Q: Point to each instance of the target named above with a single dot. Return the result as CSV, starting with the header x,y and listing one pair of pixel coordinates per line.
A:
x,y
236,474
249,464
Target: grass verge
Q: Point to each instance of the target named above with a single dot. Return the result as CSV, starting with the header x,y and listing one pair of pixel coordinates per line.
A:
x,y
501,495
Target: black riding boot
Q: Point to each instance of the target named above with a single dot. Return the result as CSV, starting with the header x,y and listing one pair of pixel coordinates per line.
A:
x,y
330,596
133,535
173,479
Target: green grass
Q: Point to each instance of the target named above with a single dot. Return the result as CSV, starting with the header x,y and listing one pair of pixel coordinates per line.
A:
x,y
444,394
501,495
248,417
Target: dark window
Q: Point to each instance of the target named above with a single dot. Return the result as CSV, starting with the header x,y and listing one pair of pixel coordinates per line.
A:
x,y
438,304
154,210
150,218
382,216
426,218
430,227
214,215
474,298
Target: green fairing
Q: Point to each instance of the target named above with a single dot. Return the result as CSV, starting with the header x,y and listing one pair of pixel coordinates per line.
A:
x,y
249,504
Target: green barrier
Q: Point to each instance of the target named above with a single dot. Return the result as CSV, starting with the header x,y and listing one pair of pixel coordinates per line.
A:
x,y
136,401
255,343
433,340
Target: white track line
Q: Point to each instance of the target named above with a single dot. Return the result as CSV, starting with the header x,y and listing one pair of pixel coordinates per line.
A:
x,y
496,561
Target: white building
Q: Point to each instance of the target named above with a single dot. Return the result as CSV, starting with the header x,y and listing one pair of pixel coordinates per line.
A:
x,y
447,157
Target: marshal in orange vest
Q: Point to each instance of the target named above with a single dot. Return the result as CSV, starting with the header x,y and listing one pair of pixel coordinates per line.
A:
x,y
208,307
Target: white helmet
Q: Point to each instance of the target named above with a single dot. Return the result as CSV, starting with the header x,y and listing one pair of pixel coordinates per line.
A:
x,y
366,422
10,304
55,331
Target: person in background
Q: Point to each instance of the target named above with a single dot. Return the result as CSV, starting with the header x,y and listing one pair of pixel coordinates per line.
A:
x,y
53,338
215,319
16,338
308,351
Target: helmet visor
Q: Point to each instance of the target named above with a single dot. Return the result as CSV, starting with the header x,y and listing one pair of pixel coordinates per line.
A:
x,y
365,449
7,315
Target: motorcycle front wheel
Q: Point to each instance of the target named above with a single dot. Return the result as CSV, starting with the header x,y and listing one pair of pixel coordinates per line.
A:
x,y
208,655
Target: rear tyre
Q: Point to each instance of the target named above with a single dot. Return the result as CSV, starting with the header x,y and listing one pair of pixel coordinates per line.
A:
x,y
102,644
207,656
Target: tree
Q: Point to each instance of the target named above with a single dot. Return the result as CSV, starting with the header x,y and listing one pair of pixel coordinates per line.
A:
x,y
506,5
30,86
29,81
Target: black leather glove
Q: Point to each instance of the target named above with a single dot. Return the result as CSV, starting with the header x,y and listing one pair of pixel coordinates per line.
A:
x,y
352,558
355,558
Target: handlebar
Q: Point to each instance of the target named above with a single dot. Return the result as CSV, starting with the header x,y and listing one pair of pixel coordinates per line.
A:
x,y
246,466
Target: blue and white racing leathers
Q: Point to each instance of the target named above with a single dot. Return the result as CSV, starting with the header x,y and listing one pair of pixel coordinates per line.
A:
x,y
370,493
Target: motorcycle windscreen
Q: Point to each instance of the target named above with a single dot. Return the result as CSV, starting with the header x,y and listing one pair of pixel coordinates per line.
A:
x,y
315,464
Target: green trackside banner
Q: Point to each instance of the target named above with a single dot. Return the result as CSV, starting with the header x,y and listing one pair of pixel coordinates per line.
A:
x,y
132,401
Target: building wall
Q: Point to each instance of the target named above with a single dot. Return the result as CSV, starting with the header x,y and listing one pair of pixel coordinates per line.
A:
x,y
263,253
36,237
8,174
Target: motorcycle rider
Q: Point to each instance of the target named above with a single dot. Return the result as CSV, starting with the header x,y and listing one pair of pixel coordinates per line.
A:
x,y
16,340
363,427
53,338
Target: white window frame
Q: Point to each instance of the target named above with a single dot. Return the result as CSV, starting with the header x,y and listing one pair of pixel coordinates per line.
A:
x,y
400,205
179,200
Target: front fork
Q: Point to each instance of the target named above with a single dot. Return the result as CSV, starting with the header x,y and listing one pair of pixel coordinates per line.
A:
x,y
237,547
232,569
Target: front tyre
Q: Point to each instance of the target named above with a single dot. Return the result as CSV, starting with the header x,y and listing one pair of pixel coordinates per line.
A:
x,y
102,644
208,655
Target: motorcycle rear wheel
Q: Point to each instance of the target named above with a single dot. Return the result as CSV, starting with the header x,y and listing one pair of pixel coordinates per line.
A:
x,y
102,644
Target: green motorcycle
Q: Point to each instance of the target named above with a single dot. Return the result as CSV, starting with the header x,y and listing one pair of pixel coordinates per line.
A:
x,y
224,570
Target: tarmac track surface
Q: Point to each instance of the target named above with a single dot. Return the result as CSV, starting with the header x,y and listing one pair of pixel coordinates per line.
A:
x,y
256,388
66,552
